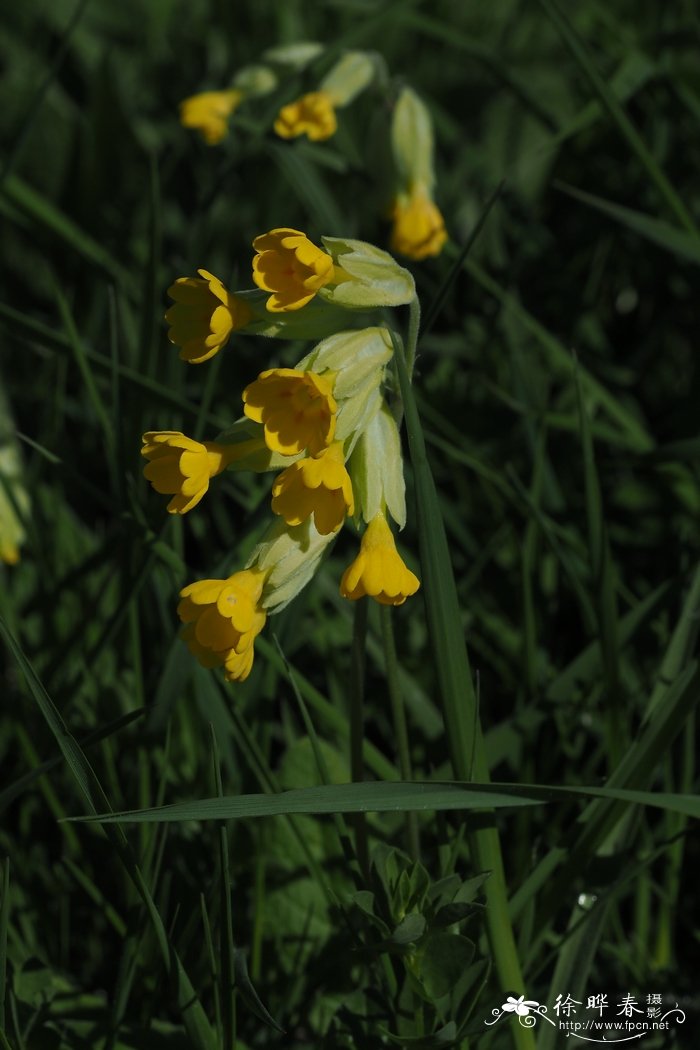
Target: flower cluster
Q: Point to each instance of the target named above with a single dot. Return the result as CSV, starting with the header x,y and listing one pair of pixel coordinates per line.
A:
x,y
312,114
323,425
418,228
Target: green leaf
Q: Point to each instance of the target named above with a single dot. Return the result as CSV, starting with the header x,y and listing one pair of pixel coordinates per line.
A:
x,y
244,986
442,961
393,797
409,930
194,1018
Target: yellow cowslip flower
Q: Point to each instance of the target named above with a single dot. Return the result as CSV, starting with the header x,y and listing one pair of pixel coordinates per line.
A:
x,y
318,485
378,570
222,620
419,228
181,467
312,115
297,410
290,266
203,316
208,113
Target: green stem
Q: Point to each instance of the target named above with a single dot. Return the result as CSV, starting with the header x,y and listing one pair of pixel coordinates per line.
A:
x,y
409,353
357,720
398,712
457,692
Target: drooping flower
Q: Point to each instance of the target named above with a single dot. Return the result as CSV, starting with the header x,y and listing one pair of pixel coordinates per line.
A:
x,y
419,228
208,113
318,485
378,571
312,115
222,620
180,467
291,267
203,316
297,410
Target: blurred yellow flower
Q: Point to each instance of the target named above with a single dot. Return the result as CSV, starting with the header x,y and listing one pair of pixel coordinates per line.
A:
x,y
13,495
378,570
208,113
312,115
181,467
419,228
291,267
297,410
318,485
222,620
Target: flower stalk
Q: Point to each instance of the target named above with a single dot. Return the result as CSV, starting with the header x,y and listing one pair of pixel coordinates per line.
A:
x,y
457,692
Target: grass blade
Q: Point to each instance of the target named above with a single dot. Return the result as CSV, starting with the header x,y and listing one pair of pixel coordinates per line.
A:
x,y
637,144
194,1018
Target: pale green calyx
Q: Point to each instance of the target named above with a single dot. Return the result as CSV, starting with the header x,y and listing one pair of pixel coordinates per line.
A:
x,y
370,276
291,555
351,75
376,469
316,320
357,360
412,141
352,356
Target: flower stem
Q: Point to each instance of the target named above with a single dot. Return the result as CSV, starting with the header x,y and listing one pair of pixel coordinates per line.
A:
x,y
412,335
459,701
398,711
357,720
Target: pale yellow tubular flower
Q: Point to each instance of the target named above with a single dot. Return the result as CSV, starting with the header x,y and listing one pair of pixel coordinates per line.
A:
x,y
180,467
208,113
318,485
203,316
378,571
297,410
291,268
312,115
13,498
418,226
222,620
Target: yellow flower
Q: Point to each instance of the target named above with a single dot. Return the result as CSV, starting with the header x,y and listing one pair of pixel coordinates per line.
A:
x,y
181,467
222,620
320,486
378,570
419,228
297,410
312,115
203,316
208,112
291,267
